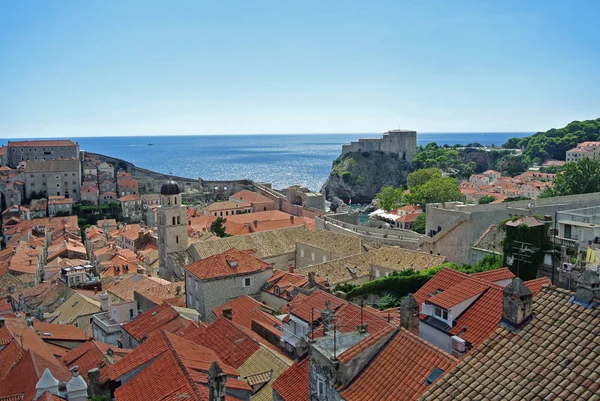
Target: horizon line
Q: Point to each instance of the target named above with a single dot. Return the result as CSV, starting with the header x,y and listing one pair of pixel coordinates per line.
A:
x,y
29,137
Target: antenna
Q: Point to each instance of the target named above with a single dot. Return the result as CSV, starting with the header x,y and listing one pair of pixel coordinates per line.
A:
x,y
334,340
312,326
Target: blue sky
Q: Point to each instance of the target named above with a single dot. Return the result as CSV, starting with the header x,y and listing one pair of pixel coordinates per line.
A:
x,y
77,68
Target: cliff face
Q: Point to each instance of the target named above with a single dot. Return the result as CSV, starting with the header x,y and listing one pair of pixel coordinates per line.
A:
x,y
360,175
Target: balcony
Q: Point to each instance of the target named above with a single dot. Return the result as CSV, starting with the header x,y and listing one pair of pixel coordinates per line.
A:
x,y
107,325
567,242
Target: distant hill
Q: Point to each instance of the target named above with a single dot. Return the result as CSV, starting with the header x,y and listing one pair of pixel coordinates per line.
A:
x,y
554,143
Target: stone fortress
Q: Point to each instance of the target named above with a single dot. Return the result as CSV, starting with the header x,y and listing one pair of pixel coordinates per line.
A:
x,y
401,142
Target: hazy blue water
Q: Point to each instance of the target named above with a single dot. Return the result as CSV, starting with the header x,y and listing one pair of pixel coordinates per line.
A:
x,y
283,160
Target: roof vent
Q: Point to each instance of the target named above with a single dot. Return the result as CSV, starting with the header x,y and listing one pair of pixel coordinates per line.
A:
x,y
153,313
233,263
47,334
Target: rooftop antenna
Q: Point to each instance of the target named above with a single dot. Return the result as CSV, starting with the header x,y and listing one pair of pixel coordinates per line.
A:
x,y
312,319
334,339
361,313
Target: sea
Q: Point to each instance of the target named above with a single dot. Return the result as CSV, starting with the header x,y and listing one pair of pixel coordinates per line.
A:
x,y
282,160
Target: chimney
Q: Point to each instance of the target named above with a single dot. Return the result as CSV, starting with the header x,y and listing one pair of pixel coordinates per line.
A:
x,y
29,319
517,304
588,288
292,219
94,379
216,383
291,268
104,302
227,313
409,314
46,383
311,280
301,348
255,223
76,387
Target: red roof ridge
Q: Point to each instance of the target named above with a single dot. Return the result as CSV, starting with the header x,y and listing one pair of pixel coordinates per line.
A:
x,y
180,363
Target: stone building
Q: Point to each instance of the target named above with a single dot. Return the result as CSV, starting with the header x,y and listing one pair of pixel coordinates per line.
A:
x,y
54,177
401,142
19,151
60,205
131,207
171,225
218,279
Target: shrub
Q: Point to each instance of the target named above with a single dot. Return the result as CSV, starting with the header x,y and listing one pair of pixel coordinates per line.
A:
x,y
347,177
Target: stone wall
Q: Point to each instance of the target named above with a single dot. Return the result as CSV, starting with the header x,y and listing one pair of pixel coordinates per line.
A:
x,y
462,225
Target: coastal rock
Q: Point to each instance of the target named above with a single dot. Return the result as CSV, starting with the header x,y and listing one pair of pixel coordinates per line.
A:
x,y
335,204
358,176
370,208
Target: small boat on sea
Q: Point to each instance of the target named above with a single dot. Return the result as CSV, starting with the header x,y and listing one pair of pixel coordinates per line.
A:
x,y
150,144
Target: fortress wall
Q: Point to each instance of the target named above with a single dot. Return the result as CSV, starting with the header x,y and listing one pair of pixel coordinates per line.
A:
x,y
456,246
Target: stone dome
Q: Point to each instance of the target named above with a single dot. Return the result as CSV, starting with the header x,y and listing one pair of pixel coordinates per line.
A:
x,y
169,188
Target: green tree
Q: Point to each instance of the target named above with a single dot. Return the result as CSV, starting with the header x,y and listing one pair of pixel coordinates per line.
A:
x,y
442,189
218,227
419,225
484,200
580,177
421,176
389,198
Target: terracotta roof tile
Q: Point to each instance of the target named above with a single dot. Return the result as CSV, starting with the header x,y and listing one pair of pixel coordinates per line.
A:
x,y
495,275
250,196
230,263
399,371
130,198
150,320
458,293
292,385
229,341
245,309
553,356
51,331
309,308
537,284
41,143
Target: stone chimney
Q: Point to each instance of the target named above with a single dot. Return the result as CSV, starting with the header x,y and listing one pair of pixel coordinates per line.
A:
x,y
409,314
311,280
46,383
292,219
104,302
76,387
255,223
517,304
29,319
301,348
291,268
216,383
227,313
588,288
94,378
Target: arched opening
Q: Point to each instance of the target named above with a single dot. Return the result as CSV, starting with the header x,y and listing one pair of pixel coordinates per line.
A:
x,y
175,200
178,220
173,220
169,201
177,239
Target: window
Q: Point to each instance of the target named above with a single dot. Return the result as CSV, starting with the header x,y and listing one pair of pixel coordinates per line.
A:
x,y
441,313
246,282
178,220
177,239
197,285
324,259
301,253
377,273
175,200
312,256
190,302
174,220
130,314
320,386
277,291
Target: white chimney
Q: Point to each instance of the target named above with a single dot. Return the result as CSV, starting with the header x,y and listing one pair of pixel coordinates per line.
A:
x,y
76,387
104,302
46,383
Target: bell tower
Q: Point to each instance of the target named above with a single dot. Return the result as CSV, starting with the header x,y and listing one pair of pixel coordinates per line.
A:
x,y
171,225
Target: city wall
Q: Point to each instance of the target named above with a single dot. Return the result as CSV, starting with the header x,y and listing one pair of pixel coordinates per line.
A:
x,y
460,226
402,142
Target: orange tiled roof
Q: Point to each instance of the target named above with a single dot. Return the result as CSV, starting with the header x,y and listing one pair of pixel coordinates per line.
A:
x,y
537,284
129,198
458,293
226,205
245,309
224,265
128,183
308,308
249,196
399,371
495,275
150,320
553,356
25,374
229,342
51,331
292,385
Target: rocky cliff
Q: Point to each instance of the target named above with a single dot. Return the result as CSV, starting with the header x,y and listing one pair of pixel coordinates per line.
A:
x,y
360,175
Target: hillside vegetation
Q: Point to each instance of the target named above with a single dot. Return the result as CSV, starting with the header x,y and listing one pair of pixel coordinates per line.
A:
x,y
554,143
